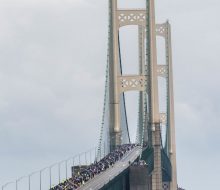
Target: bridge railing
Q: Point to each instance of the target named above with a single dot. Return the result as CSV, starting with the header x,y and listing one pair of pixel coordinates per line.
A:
x,y
53,174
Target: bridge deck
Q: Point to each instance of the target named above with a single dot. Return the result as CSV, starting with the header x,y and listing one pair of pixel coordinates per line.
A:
x,y
100,180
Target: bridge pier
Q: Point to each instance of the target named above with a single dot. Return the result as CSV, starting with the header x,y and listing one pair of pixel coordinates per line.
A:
x,y
136,177
121,182
139,178
157,173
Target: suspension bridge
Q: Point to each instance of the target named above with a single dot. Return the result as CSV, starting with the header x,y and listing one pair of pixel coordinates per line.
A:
x,y
156,151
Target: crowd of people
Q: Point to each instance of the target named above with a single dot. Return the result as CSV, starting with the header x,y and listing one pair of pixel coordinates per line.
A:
x,y
84,175
140,163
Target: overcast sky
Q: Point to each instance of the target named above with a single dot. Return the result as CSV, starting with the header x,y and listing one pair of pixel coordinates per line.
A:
x,y
52,70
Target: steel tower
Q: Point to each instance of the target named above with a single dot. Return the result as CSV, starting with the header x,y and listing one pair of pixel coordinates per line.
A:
x,y
146,82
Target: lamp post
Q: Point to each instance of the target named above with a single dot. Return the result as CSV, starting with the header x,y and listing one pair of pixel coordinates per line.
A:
x,y
3,186
17,180
96,157
41,174
79,162
86,158
59,170
73,172
66,161
29,179
90,156
50,168
104,149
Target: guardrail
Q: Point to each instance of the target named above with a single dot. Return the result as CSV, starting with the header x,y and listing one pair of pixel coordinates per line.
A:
x,y
52,175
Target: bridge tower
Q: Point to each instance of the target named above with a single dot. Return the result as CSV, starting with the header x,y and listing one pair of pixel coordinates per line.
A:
x,y
146,82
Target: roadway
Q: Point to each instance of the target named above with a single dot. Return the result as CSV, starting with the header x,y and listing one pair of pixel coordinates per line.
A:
x,y
100,180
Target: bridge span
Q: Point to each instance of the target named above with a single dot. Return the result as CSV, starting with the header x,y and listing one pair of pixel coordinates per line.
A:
x,y
104,178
